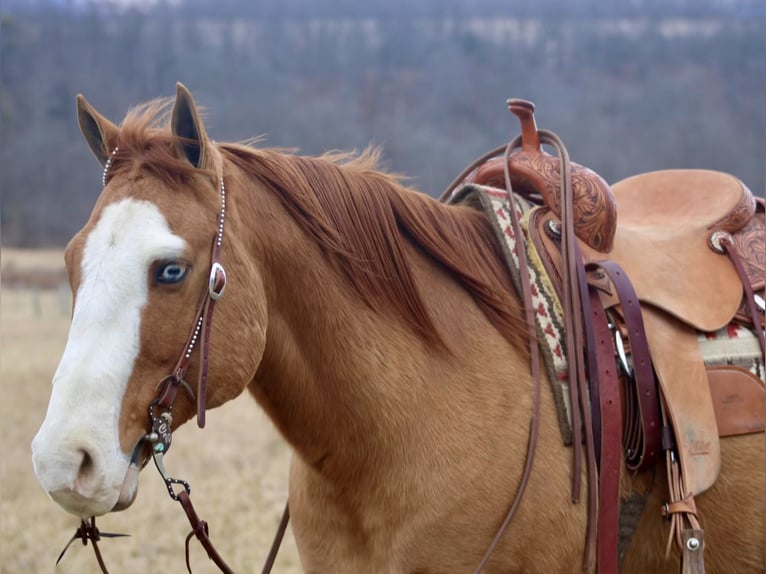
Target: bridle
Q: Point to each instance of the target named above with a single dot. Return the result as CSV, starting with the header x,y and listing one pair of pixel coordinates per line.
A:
x,y
160,410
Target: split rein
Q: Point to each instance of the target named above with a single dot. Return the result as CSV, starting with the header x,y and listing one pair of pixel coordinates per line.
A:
x,y
160,413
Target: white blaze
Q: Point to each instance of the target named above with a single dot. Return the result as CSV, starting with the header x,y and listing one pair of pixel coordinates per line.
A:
x,y
81,426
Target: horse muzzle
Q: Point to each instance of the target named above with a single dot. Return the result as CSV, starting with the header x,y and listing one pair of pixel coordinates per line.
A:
x,y
79,476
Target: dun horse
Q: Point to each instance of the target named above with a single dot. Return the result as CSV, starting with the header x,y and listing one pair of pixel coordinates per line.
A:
x,y
378,329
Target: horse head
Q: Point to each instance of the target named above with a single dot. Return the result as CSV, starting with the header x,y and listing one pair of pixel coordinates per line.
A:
x,y
137,270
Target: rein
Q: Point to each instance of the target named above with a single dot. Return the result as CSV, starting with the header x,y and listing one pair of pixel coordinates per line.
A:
x,y
575,300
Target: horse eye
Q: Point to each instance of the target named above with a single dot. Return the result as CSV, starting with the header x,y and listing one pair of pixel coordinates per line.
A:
x,y
172,272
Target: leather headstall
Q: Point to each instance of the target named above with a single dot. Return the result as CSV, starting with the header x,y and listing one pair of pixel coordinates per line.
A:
x,y
160,435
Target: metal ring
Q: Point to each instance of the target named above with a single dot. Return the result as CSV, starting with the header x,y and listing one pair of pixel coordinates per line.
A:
x,y
215,269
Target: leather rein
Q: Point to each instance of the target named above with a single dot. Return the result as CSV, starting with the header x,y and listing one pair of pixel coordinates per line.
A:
x,y
160,413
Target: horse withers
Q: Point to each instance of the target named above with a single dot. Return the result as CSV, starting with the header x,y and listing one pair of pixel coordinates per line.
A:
x,y
377,327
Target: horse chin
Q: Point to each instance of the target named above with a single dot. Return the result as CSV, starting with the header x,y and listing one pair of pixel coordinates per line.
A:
x,y
129,488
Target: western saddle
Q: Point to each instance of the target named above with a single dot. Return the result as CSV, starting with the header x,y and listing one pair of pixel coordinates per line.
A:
x,y
666,255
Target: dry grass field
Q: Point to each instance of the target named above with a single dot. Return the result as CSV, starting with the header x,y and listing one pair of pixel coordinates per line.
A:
x,y
237,465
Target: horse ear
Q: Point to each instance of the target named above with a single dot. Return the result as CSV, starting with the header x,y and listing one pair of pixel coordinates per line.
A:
x,y
98,130
186,126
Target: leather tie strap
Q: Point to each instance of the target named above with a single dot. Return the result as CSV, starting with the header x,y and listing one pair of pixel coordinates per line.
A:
x,y
687,505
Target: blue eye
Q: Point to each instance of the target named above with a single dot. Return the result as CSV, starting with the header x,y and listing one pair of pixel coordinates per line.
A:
x,y
173,272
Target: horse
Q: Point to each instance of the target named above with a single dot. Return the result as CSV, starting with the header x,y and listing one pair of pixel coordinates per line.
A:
x,y
378,329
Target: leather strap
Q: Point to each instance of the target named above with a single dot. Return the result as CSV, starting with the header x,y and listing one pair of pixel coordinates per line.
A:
x,y
686,505
168,390
684,515
574,285
728,246
201,532
610,457
692,561
277,542
648,440
646,447
572,302
588,405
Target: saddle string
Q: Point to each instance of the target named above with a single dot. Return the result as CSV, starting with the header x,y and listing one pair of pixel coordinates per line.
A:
x,y
681,508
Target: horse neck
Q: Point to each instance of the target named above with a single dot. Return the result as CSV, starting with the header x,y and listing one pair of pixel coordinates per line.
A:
x,y
331,377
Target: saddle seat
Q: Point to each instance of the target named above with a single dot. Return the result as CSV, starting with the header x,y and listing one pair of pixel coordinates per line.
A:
x,y
666,221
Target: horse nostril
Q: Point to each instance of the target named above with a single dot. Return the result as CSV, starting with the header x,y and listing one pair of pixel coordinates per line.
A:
x,y
85,473
86,466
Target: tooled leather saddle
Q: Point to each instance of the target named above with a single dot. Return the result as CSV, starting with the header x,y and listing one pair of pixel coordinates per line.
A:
x,y
667,255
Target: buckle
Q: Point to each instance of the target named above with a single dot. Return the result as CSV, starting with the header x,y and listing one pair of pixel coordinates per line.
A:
x,y
620,347
217,282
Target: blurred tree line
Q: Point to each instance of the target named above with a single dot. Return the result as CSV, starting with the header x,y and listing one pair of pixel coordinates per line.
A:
x,y
630,86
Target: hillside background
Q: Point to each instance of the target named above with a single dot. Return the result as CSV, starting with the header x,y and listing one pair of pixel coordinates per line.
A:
x,y
630,85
